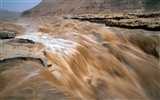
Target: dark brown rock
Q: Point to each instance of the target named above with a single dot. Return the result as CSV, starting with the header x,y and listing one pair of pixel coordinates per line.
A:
x,y
7,35
147,21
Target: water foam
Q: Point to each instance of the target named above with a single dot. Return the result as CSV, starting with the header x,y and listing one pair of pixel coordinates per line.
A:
x,y
62,46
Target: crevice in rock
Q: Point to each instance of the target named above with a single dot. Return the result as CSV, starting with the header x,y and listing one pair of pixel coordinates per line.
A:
x,y
39,60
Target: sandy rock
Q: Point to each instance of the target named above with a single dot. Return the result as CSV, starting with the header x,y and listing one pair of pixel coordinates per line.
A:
x,y
21,48
147,21
76,7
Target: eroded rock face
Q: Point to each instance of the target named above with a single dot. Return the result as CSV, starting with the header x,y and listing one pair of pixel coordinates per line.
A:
x,y
148,21
63,7
21,48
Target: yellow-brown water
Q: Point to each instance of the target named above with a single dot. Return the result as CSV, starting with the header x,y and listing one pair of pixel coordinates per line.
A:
x,y
87,61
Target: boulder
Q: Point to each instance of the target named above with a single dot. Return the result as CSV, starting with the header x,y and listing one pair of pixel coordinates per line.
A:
x,y
7,35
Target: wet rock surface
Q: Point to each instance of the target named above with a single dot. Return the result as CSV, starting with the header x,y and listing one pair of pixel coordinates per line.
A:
x,y
7,35
13,48
147,21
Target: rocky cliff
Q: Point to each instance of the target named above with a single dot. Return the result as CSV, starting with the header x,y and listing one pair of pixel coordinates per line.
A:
x,y
61,7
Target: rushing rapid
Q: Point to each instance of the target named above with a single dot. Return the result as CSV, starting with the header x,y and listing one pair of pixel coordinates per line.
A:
x,y
85,61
